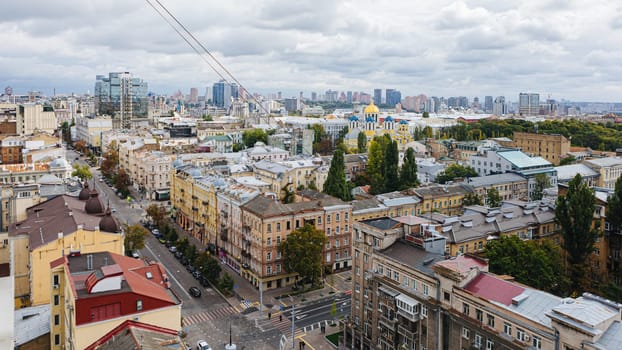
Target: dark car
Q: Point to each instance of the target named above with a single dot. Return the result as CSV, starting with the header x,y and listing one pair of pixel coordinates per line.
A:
x,y
184,261
190,268
196,274
204,282
195,292
179,255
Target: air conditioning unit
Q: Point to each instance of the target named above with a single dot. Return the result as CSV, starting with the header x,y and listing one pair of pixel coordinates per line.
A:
x,y
526,338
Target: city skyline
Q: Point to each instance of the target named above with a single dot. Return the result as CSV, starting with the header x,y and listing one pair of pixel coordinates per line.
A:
x,y
565,50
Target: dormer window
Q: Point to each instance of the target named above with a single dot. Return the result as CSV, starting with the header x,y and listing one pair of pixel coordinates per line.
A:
x,y
139,305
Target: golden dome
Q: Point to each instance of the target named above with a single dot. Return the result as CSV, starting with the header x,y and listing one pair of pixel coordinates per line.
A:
x,y
371,109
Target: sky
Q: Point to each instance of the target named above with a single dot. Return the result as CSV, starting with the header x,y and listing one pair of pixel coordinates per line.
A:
x,y
565,49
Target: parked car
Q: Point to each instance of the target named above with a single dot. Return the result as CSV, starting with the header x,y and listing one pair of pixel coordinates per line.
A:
x,y
135,254
168,244
195,292
202,345
172,249
196,274
162,240
204,282
190,268
179,255
184,261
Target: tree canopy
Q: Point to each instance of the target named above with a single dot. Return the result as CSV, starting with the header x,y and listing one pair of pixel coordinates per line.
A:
x,y
574,213
158,215
83,172
134,237
493,199
361,141
250,137
614,207
302,252
455,171
534,263
383,165
408,171
391,170
542,182
336,184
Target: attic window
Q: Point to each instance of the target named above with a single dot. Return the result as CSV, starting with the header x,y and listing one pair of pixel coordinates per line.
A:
x,y
139,304
149,275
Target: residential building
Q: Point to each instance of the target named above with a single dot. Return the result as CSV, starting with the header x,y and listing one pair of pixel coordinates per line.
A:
x,y
332,126
130,150
565,173
218,143
260,151
11,150
139,335
528,104
90,130
488,104
152,175
406,294
500,107
498,160
550,147
60,226
94,294
266,222
290,175
609,168
445,199
509,186
32,172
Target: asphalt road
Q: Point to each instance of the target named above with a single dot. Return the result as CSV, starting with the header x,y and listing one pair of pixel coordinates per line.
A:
x,y
311,313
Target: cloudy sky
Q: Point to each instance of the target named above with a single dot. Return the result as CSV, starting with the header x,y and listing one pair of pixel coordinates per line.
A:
x,y
563,48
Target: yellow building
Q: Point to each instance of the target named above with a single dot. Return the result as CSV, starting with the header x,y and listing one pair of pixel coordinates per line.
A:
x,y
609,168
373,125
92,294
444,199
550,147
60,226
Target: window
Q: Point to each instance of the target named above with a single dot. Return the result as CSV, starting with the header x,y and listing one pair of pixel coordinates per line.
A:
x,y
396,276
288,225
490,320
426,290
269,241
346,241
358,270
269,256
479,314
269,270
446,296
465,333
537,342
465,308
278,226
415,284
55,277
490,344
56,300
328,219
278,255
357,287
520,334
139,305
337,243
346,217
56,320
56,339
278,268
424,311
328,231
507,328
328,245
346,228
406,281
319,220
278,239
478,340
269,228
337,230
337,217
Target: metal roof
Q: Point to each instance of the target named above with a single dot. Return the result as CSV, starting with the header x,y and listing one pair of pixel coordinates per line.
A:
x,y
522,160
31,323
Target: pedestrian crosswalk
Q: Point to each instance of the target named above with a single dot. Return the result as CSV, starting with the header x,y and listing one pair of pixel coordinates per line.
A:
x,y
247,303
284,325
209,315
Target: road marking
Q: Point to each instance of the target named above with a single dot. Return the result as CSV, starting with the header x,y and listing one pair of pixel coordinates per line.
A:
x,y
169,273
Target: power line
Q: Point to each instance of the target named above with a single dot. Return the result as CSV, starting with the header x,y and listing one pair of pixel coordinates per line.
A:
x,y
204,50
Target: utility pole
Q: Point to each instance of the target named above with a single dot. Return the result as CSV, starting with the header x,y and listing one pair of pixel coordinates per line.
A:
x,y
293,327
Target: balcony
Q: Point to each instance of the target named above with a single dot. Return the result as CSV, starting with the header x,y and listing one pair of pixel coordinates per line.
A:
x,y
409,332
387,321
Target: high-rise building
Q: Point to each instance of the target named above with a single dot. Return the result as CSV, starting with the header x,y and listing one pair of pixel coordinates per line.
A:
x,y
528,103
349,97
488,104
222,92
121,95
314,96
393,97
499,107
194,95
377,96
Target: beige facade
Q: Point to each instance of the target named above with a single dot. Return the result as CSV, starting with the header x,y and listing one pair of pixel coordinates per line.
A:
x,y
550,147
152,172
267,222
34,117
609,168
90,130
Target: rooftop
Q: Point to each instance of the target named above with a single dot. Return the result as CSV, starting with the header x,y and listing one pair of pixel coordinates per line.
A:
x,y
491,180
521,160
31,323
567,172
136,335
414,257
605,162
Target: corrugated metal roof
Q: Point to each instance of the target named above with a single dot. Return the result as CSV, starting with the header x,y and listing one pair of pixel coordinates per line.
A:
x,y
31,322
522,160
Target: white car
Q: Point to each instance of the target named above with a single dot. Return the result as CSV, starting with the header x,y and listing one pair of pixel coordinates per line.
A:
x,y
203,345
135,254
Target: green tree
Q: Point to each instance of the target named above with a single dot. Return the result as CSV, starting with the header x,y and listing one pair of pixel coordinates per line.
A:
x,y
534,263
110,161
567,160
361,141
375,164
614,208
83,172
336,184
426,115
226,282
455,171
302,252
408,171
209,267
250,137
289,196
493,199
66,132
237,147
391,167
207,117
134,237
542,183
472,198
574,213
158,215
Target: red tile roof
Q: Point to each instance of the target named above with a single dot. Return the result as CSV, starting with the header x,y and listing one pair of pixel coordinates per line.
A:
x,y
493,288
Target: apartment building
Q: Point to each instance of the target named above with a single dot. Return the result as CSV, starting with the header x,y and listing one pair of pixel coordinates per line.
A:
x,y
407,295
289,175
57,227
609,169
93,294
550,147
152,174
445,199
509,186
90,130
266,221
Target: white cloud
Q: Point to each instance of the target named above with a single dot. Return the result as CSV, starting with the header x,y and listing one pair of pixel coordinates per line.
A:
x,y
468,47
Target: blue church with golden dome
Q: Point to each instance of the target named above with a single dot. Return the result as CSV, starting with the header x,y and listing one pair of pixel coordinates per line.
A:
x,y
372,125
